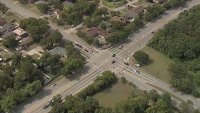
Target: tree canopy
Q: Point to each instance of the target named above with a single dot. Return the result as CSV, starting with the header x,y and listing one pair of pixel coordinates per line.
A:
x,y
179,40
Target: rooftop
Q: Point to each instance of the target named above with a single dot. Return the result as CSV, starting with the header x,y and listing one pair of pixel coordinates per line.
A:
x,y
19,31
58,51
95,31
2,21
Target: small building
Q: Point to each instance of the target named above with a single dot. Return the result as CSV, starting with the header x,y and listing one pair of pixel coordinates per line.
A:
x,y
95,31
25,41
9,27
20,33
117,19
2,21
58,51
102,40
132,13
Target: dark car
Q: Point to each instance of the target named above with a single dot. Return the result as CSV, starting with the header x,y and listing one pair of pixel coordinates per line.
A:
x,y
113,55
152,32
126,63
113,62
46,106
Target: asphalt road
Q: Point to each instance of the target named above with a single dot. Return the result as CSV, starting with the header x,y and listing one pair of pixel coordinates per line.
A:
x,y
101,61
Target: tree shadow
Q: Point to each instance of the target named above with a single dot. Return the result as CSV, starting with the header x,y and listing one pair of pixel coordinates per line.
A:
x,y
150,61
20,108
78,74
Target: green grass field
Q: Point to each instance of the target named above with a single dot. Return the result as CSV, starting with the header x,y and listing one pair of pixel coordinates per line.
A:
x,y
111,96
10,16
159,65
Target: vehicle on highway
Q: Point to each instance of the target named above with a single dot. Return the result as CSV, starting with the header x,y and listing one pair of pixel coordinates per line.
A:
x,y
86,50
126,63
137,72
113,55
53,85
120,47
137,65
46,106
78,45
113,61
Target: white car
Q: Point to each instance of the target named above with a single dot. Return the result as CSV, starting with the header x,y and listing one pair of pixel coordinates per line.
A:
x,y
53,85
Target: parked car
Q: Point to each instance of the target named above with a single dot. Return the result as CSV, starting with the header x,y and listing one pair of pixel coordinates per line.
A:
x,y
46,106
113,61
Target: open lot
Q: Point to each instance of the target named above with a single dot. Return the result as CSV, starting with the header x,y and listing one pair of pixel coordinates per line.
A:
x,y
111,96
10,16
159,64
29,6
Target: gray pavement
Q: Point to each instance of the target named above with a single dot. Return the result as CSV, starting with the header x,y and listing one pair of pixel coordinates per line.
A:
x,y
102,61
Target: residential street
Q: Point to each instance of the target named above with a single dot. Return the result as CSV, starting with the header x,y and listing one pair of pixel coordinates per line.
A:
x,y
101,61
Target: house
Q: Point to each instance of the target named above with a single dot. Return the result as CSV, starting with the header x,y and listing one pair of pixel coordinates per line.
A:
x,y
117,19
98,33
95,31
102,40
58,51
7,28
2,21
159,1
132,13
20,33
25,41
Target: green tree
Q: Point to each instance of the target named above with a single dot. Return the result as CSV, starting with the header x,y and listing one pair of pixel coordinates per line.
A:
x,y
3,8
26,73
133,105
10,42
31,89
37,28
159,107
43,7
71,66
52,40
50,63
5,81
141,57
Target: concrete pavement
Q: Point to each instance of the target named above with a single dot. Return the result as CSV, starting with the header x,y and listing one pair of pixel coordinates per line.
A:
x,y
102,61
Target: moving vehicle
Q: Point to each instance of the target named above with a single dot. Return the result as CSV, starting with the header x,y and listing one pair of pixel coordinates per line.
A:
x,y
113,55
53,85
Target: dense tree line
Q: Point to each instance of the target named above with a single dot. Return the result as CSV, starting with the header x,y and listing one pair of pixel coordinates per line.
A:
x,y
179,40
147,102
74,14
41,33
102,82
24,77
18,82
